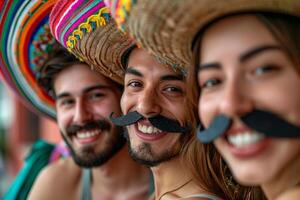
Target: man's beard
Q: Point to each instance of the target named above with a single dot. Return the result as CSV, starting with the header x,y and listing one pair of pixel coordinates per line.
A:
x,y
144,154
88,157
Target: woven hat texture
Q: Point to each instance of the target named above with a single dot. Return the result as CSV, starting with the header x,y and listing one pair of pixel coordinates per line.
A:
x,y
87,29
167,28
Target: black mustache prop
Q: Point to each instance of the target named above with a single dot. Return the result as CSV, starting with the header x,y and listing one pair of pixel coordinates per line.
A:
x,y
261,121
158,121
220,124
99,124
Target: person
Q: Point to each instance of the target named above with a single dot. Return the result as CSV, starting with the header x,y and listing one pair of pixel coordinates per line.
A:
x,y
156,91
84,99
244,56
151,88
259,73
82,104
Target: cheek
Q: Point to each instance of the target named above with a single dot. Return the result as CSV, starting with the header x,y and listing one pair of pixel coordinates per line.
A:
x,y
282,101
123,103
61,120
104,109
205,111
126,102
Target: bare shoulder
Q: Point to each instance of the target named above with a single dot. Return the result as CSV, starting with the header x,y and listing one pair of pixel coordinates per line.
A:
x,y
293,194
55,179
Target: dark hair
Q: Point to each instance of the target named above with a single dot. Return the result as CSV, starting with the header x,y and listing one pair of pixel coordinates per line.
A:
x,y
58,59
286,30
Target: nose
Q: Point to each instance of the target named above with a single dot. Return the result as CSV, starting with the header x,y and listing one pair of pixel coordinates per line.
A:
x,y
148,103
236,100
82,113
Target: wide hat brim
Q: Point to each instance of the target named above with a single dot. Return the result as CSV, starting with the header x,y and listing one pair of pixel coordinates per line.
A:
x,y
167,28
90,33
104,50
24,26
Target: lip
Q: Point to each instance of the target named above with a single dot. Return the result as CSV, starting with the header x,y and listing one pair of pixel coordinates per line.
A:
x,y
250,150
144,122
235,129
148,137
87,141
245,151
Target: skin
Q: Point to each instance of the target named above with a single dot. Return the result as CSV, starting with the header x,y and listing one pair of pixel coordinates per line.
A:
x,y
89,96
94,97
266,79
152,88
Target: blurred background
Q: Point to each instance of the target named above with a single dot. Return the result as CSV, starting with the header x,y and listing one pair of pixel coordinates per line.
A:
x,y
19,129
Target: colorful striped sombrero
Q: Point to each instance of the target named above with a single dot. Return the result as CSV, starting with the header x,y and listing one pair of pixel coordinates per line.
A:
x,y
25,40
87,30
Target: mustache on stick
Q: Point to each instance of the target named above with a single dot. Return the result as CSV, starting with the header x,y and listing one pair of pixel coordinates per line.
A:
x,y
218,127
271,124
163,123
265,122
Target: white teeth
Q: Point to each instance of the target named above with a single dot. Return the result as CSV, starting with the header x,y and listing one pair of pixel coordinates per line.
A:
x,y
244,139
87,134
148,129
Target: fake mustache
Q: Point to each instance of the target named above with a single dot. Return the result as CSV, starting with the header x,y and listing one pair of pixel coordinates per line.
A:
x,y
158,121
98,124
265,122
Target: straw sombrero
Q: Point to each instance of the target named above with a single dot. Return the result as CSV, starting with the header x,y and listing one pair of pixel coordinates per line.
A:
x,y
87,30
167,28
25,40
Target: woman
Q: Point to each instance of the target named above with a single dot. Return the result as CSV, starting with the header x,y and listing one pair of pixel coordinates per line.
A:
x,y
257,70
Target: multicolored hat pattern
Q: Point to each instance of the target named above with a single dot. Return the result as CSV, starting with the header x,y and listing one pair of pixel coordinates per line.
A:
x,y
87,30
120,10
167,28
25,40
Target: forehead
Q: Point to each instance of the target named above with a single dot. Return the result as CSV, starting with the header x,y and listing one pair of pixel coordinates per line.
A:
x,y
145,63
233,35
77,78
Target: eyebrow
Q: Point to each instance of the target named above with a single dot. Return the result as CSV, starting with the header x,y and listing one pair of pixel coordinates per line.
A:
x,y
213,65
132,71
170,77
177,77
62,95
86,90
243,58
253,52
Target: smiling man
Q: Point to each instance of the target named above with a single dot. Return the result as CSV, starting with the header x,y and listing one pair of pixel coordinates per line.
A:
x,y
158,119
153,89
83,104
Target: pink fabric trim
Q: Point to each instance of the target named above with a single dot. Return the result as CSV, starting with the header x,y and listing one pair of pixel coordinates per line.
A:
x,y
82,19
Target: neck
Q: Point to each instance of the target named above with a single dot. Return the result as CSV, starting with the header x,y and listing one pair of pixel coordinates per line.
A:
x,y
120,173
167,178
286,180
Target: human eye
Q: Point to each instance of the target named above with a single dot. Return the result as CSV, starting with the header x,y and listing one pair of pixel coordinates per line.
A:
x,y
66,102
209,83
264,69
209,79
173,89
96,95
134,84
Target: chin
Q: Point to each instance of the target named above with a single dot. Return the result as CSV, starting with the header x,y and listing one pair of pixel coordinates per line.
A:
x,y
251,175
